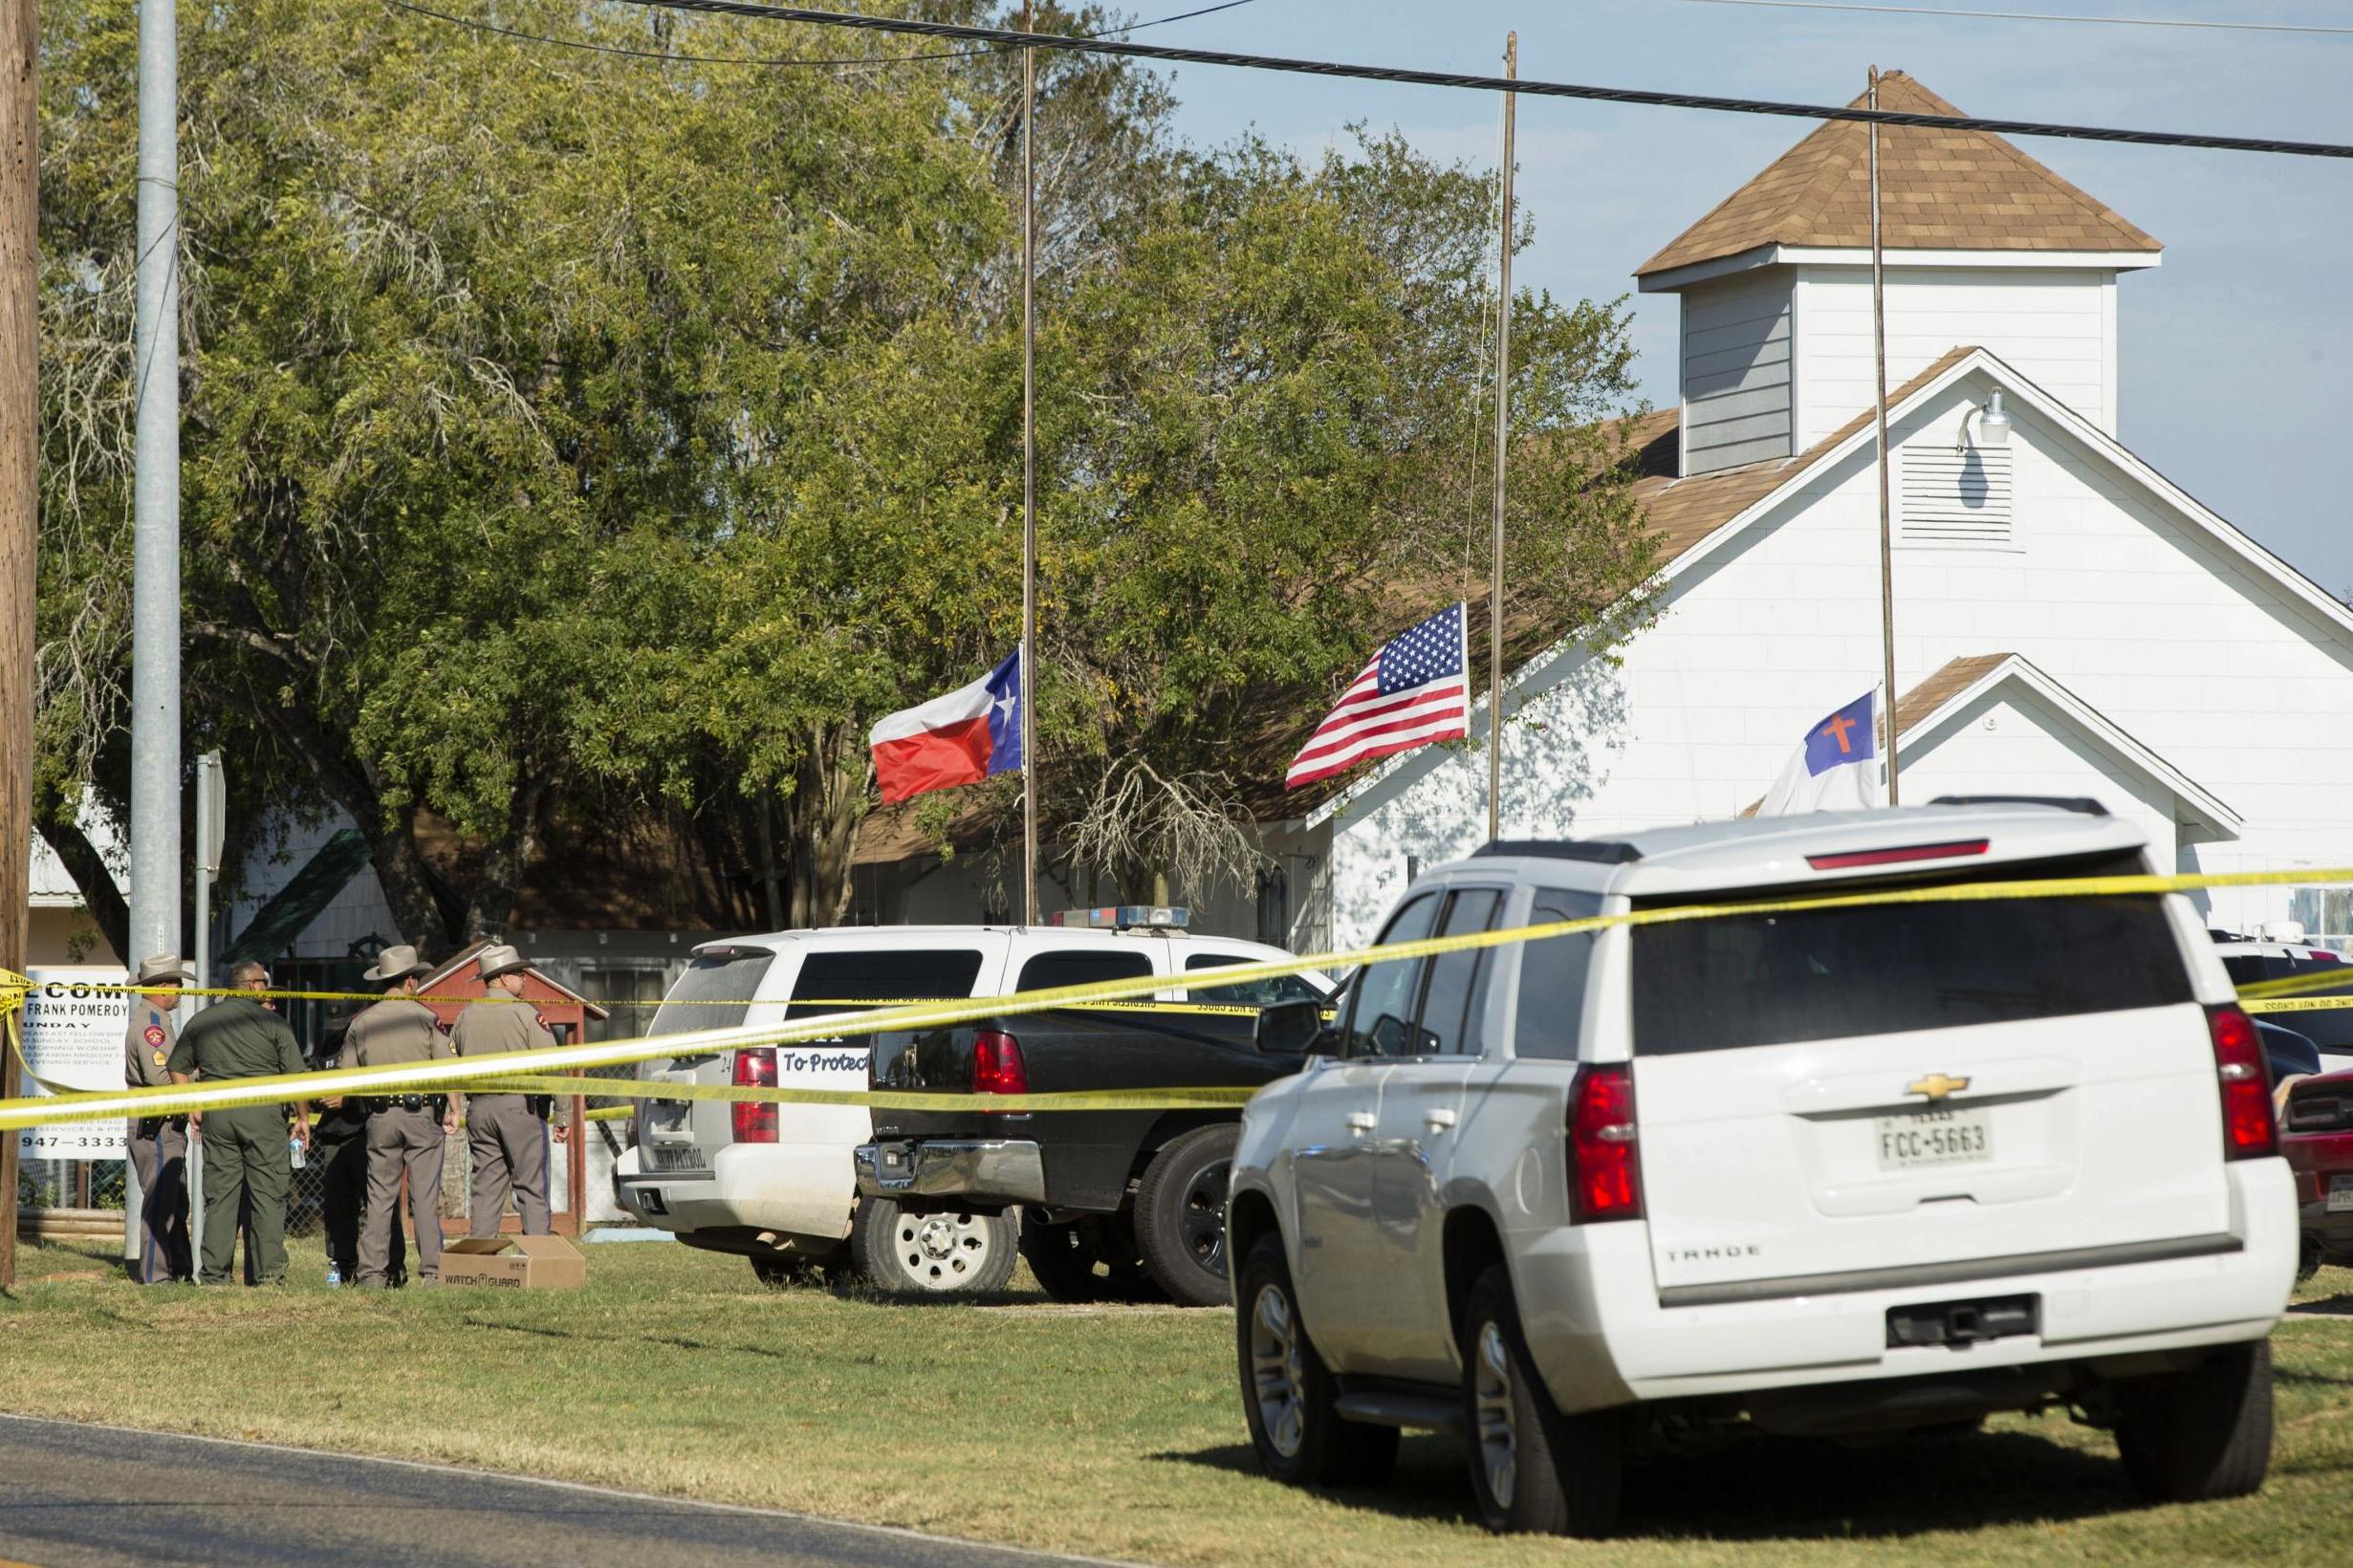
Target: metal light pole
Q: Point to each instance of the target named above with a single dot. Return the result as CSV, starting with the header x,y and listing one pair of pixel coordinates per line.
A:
x,y
1886,540
20,420
155,560
155,573
1029,476
1503,428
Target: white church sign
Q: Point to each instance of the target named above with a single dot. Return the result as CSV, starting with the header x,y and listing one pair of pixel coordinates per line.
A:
x,y
74,1040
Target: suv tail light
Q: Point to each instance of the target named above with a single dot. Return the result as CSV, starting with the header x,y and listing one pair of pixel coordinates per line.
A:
x,y
996,1064
1605,1182
755,1067
2248,1130
1848,860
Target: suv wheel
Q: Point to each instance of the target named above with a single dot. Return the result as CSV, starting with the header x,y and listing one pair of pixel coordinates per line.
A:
x,y
1532,1469
1181,1216
1064,1258
2207,1433
1288,1393
902,1253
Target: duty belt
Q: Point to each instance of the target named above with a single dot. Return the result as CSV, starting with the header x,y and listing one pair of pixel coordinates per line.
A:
x,y
407,1103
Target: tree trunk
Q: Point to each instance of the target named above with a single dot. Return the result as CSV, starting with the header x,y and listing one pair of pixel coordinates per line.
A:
x,y
489,902
99,895
820,820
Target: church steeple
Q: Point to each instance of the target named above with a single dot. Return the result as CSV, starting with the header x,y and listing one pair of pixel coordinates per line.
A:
x,y
1984,245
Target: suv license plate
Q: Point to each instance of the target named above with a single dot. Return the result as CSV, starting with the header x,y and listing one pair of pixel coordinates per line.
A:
x,y
676,1158
1935,1138
2341,1194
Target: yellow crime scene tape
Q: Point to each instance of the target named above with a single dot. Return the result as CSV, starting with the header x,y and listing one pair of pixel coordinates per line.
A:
x,y
89,1105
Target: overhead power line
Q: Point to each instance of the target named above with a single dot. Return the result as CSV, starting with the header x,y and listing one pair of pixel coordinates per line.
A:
x,y
779,63
1176,55
2033,16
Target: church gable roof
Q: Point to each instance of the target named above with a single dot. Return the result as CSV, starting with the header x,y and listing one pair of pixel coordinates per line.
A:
x,y
1940,190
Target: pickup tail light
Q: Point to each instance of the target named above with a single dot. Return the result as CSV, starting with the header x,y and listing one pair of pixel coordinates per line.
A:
x,y
2248,1130
996,1064
1605,1180
755,1067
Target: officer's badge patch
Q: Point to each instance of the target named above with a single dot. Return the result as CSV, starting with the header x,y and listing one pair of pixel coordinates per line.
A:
x,y
161,1058
155,1035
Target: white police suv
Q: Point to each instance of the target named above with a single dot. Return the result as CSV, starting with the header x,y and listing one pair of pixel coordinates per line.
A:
x,y
775,1182
1832,1171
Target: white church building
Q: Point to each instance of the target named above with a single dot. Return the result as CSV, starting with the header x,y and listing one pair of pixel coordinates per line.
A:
x,y
2067,620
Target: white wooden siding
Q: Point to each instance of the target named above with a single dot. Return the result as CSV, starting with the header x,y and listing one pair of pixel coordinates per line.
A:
x,y
1736,371
2057,328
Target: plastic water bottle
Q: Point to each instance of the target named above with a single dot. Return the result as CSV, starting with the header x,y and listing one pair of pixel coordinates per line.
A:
x,y
335,1274
294,1149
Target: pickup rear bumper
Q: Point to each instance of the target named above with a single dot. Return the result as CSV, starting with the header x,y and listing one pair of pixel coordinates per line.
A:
x,y
1005,1170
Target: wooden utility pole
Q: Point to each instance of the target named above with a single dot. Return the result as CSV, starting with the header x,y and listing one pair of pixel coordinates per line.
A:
x,y
20,423
1503,430
1886,532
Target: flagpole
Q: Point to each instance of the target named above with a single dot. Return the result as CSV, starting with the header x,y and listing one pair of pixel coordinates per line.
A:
x,y
1029,476
1886,550
1503,424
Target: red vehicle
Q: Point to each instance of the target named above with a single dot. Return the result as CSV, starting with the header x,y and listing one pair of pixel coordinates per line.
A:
x,y
2318,1128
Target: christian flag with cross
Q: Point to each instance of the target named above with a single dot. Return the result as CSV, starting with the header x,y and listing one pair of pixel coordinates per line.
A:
x,y
1831,770
1416,691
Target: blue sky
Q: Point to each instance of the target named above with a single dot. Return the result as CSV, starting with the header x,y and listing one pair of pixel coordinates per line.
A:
x,y
2236,355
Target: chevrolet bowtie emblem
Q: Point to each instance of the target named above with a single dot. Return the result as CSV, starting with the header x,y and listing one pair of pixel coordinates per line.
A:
x,y
1936,1086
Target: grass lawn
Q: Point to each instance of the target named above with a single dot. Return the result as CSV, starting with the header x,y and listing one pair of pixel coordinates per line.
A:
x,y
1115,1431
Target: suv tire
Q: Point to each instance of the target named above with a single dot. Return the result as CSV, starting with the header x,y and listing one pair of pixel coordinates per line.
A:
x,y
1533,1469
1289,1395
1181,1216
1063,1257
2207,1433
942,1253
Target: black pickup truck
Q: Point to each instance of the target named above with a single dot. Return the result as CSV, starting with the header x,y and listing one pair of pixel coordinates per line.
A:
x,y
1113,1202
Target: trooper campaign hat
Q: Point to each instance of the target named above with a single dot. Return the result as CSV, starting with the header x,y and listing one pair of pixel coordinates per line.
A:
x,y
396,963
499,958
163,966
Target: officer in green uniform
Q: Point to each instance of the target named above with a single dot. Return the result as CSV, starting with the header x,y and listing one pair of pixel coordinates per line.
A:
x,y
246,1151
407,1130
159,1145
506,1135
340,1145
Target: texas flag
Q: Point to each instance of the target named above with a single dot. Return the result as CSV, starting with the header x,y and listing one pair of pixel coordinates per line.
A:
x,y
972,732
1831,770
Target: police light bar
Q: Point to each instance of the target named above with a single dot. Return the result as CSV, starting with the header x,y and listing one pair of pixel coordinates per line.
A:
x,y
1123,917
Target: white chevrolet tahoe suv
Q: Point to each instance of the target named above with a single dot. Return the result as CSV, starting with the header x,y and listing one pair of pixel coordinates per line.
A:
x,y
775,1182
1840,1171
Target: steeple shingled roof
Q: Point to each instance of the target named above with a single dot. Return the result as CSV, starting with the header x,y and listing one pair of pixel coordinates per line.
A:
x,y
1940,190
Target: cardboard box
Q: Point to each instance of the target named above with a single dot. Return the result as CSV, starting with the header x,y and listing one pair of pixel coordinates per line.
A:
x,y
520,1263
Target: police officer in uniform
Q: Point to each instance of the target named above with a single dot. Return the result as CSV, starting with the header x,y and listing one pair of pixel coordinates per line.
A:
x,y
159,1144
246,1156
406,1130
506,1135
340,1145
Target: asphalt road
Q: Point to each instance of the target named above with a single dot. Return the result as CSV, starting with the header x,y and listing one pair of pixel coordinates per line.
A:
x,y
76,1496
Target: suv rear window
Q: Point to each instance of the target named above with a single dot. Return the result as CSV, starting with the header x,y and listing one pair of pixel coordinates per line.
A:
x,y
1082,967
1742,980
715,992
883,975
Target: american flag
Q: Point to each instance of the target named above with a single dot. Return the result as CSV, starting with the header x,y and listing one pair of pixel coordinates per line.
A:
x,y
1416,691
